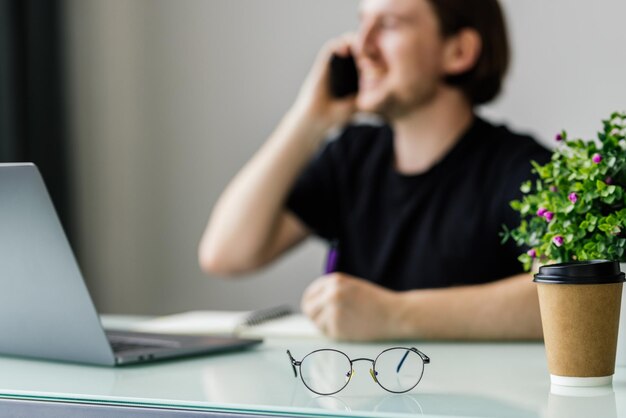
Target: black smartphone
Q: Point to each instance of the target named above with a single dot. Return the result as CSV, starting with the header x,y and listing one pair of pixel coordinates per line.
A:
x,y
344,78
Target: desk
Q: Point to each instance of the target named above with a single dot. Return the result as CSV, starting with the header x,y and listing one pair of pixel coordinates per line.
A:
x,y
463,380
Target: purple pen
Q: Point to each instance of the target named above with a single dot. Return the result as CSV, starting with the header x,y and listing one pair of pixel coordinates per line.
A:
x,y
332,258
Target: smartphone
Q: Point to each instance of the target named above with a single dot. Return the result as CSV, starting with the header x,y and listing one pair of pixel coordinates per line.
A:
x,y
344,78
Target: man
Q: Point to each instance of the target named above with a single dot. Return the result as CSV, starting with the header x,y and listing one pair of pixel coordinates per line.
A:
x,y
416,206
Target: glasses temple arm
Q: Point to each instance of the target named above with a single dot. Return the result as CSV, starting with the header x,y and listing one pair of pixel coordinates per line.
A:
x,y
402,361
294,363
424,357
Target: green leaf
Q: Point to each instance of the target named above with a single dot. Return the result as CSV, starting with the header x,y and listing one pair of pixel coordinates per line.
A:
x,y
526,260
524,209
611,161
505,234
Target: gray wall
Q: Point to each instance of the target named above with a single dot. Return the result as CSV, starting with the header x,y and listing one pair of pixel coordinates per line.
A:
x,y
170,98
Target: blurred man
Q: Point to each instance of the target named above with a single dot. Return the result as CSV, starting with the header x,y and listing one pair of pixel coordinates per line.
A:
x,y
415,205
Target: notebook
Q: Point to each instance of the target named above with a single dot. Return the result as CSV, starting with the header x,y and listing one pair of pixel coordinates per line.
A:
x,y
278,322
45,308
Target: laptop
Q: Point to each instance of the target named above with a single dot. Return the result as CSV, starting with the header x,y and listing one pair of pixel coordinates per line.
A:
x,y
45,308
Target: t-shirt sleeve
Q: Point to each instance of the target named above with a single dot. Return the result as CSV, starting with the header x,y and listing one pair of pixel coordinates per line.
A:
x,y
313,197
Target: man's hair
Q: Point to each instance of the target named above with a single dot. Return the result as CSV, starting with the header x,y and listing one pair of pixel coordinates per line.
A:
x,y
482,83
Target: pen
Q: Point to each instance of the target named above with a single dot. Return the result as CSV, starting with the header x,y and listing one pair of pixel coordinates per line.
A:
x,y
332,258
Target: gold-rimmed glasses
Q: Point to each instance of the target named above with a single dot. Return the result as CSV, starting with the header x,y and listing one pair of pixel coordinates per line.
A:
x,y
328,371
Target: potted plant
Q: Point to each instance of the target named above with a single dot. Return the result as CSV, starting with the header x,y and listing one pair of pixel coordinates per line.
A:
x,y
576,207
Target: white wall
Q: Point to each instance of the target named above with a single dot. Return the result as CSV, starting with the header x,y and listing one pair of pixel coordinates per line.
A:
x,y
569,65
170,98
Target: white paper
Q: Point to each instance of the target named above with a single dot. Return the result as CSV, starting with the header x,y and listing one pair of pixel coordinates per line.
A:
x,y
194,322
227,322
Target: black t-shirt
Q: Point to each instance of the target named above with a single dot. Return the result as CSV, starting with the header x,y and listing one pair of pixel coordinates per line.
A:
x,y
436,229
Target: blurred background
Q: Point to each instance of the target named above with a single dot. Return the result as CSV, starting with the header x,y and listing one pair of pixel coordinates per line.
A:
x,y
139,112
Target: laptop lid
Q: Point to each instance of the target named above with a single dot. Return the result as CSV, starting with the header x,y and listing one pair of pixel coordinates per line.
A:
x,y
45,308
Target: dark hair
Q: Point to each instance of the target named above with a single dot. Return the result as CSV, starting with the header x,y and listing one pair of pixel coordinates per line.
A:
x,y
482,83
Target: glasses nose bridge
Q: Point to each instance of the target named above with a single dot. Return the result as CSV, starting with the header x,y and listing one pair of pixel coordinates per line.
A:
x,y
361,359
371,370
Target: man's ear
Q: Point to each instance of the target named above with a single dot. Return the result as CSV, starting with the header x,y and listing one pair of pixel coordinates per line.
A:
x,y
462,51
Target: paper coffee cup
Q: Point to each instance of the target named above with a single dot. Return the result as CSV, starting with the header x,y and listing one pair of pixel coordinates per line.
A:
x,y
580,307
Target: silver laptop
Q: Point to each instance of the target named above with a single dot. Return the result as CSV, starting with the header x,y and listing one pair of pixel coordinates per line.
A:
x,y
45,308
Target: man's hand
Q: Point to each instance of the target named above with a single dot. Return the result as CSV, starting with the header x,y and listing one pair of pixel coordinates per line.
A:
x,y
348,308
315,101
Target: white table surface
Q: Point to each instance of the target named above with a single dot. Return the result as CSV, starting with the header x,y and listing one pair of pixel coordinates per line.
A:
x,y
463,380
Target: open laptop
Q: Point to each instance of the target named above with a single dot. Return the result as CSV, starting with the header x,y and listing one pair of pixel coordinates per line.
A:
x,y
45,308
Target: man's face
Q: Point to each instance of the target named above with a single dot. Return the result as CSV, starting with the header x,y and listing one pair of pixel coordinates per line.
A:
x,y
399,53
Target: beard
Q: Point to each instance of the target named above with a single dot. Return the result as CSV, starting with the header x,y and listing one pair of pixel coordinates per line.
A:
x,y
395,105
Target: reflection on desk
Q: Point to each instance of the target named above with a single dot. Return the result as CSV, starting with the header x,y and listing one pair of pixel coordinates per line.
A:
x,y
419,405
573,402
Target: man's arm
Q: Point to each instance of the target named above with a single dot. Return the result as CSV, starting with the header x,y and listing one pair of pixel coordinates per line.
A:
x,y
502,310
349,308
249,226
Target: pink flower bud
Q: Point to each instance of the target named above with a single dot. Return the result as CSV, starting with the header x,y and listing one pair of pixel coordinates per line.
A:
x,y
608,180
532,253
573,197
558,240
597,158
548,216
558,137
541,211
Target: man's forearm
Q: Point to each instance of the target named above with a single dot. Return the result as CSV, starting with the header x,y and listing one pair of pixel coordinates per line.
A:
x,y
245,216
507,309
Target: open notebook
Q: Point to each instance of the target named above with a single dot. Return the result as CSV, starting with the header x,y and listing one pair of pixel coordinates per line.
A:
x,y
240,323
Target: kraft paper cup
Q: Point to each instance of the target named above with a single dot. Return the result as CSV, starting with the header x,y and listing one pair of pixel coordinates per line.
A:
x,y
580,306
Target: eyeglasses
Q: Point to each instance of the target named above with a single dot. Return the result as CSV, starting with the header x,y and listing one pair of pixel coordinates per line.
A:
x,y
328,371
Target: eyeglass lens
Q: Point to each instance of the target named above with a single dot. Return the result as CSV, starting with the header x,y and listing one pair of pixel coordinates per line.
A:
x,y
326,371
398,369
